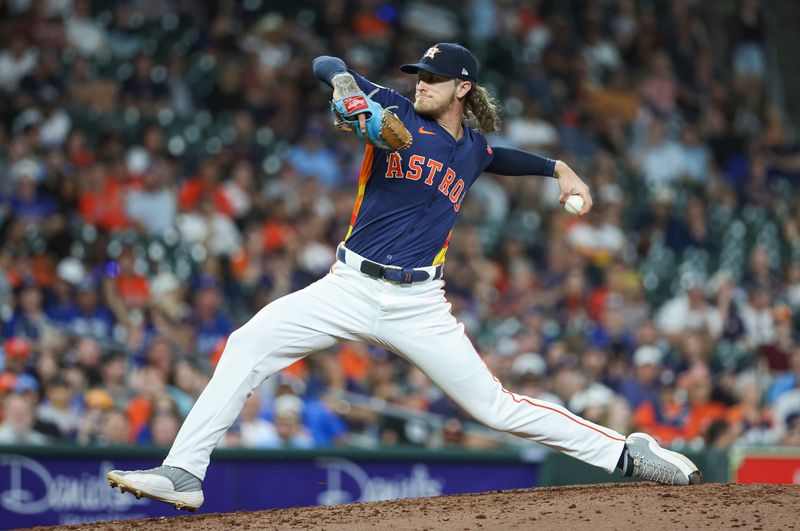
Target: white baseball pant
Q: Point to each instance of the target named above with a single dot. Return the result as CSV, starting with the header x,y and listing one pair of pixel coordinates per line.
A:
x,y
412,320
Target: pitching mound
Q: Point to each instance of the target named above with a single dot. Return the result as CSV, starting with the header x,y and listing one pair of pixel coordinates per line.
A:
x,y
613,506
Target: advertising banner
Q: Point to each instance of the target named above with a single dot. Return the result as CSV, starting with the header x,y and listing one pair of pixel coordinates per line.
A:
x,y
43,490
755,466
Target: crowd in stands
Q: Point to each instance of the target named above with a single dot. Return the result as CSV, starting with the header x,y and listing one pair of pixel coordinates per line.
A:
x,y
168,168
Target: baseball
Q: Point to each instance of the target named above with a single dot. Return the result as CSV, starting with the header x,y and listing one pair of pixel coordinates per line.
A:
x,y
574,204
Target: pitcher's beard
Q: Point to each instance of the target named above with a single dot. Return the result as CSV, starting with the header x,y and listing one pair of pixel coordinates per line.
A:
x,y
426,112
436,112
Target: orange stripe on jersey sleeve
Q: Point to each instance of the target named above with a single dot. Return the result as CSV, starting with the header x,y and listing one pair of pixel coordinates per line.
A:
x,y
440,256
363,177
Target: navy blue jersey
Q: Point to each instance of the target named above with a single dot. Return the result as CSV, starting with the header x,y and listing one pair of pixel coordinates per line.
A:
x,y
408,201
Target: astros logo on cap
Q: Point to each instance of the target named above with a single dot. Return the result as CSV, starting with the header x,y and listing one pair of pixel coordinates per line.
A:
x,y
432,51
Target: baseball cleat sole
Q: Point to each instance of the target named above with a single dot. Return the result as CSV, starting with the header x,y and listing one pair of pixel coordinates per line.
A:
x,y
188,503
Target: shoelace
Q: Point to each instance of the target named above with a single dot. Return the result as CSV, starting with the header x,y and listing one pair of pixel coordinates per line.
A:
x,y
653,471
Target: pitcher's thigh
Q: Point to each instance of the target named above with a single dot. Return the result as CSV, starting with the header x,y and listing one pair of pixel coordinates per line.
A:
x,y
302,322
449,359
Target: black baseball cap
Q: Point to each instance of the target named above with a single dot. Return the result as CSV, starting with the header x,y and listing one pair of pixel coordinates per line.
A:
x,y
446,59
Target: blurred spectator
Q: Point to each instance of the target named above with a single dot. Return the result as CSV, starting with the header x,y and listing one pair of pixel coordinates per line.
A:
x,y
146,88
17,426
723,286
88,357
16,354
27,203
288,410
530,131
123,38
758,320
659,157
211,323
227,93
788,380
87,315
601,56
689,311
96,402
141,157
597,403
132,287
643,385
82,32
29,319
153,208
209,227
749,61
785,411
695,156
181,98
792,435
102,198
760,273
113,429
690,232
59,408
659,90
17,60
256,431
239,189
187,384
113,373
45,74
700,409
751,422
418,14
598,237
50,121
205,186
164,428
149,385
528,374
312,158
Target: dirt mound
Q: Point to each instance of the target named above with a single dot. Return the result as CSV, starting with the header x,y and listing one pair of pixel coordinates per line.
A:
x,y
614,506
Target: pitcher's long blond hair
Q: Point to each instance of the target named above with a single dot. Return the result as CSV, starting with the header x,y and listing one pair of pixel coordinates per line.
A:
x,y
481,110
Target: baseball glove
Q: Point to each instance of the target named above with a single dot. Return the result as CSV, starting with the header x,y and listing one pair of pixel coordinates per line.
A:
x,y
384,129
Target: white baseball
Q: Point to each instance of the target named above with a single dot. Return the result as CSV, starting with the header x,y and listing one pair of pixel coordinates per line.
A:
x,y
574,204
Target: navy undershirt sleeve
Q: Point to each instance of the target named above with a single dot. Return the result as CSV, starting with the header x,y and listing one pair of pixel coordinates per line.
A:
x,y
510,161
325,67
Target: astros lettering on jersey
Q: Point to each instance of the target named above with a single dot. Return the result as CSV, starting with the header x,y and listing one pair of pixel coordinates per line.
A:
x,y
408,200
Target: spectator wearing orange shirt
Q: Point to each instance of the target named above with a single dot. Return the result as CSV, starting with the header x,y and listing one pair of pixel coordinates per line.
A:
x,y
101,200
205,183
701,410
133,288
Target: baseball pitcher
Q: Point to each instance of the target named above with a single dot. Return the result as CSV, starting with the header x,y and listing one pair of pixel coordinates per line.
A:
x,y
386,286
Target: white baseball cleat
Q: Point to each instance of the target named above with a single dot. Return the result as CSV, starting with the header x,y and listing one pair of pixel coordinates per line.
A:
x,y
647,460
167,484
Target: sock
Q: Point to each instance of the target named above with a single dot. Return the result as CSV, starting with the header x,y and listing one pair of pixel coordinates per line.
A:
x,y
625,463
